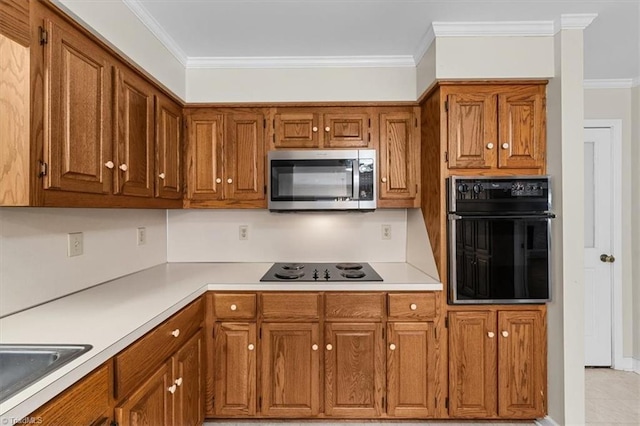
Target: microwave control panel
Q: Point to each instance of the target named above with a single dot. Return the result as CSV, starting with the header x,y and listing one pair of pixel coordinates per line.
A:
x,y
365,173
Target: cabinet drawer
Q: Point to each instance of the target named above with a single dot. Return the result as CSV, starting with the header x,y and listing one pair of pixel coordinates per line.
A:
x,y
234,306
143,357
407,306
85,403
362,306
296,306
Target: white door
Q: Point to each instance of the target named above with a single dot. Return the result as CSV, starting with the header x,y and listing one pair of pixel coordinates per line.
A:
x,y
598,231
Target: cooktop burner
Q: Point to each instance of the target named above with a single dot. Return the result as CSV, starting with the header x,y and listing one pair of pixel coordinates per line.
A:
x,y
313,272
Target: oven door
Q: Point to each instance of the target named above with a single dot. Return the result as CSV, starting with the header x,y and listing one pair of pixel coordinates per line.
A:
x,y
499,259
313,184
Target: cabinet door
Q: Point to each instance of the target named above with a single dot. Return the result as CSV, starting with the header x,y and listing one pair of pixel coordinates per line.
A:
x,y
411,369
152,403
168,149
296,129
244,165
521,364
354,364
472,364
189,379
522,128
204,154
399,158
346,130
77,124
235,369
290,369
134,134
472,130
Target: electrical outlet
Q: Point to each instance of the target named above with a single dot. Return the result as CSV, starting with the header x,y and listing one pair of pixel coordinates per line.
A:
x,y
75,244
142,236
243,232
386,232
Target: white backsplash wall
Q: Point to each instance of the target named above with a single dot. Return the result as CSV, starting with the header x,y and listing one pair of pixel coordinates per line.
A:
x,y
212,236
34,267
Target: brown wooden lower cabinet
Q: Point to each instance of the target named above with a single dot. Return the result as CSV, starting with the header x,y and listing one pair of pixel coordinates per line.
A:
x,y
497,364
290,369
354,370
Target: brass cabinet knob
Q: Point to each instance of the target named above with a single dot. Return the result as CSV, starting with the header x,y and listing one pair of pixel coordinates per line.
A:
x,y
392,347
176,332
329,347
124,167
161,175
491,334
178,381
229,180
314,347
233,307
251,347
326,129
505,334
413,307
505,145
109,165
218,180
489,145
315,129
172,389
384,180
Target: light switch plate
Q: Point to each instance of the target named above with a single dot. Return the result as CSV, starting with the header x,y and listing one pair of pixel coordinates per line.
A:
x,y
75,244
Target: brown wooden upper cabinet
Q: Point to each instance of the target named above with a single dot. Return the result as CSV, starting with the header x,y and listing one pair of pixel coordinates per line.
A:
x,y
497,365
500,126
399,158
226,158
96,124
329,127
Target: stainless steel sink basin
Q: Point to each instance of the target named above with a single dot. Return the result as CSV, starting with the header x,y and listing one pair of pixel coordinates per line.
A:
x,y
21,365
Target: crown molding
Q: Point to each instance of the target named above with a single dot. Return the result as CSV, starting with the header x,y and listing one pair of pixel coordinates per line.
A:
x,y
574,21
493,29
400,61
609,83
156,29
424,44
635,82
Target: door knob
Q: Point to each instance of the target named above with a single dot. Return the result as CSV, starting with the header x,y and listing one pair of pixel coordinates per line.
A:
x,y
607,258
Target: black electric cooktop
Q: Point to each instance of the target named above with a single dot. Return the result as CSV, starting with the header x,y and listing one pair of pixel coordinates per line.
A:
x,y
319,272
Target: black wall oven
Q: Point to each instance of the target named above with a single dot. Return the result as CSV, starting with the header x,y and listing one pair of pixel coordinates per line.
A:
x,y
498,238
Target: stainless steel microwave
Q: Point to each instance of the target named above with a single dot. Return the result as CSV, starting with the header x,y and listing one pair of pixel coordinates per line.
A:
x,y
322,180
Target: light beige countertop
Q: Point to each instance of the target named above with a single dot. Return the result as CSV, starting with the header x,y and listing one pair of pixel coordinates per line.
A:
x,y
115,314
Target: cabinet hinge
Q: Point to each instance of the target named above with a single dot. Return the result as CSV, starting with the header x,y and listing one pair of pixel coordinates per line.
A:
x,y
264,123
416,122
446,403
113,423
273,137
384,407
260,333
446,156
44,169
265,190
446,322
383,337
369,122
44,36
446,106
213,401
260,402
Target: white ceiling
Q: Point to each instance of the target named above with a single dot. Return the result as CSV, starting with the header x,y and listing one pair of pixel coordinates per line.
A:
x,y
320,28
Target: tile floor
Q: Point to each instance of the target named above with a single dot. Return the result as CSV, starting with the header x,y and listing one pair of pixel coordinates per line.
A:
x,y
612,399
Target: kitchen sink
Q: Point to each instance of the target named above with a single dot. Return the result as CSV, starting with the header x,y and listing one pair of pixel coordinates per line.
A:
x,y
21,365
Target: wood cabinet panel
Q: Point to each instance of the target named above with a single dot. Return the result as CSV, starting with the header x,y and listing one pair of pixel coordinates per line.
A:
x,y
399,160
472,130
77,136
235,369
296,129
188,377
151,403
168,136
521,364
350,306
204,156
522,134
412,306
87,402
137,361
346,130
245,159
290,306
472,364
290,369
14,20
234,306
411,370
354,369
134,124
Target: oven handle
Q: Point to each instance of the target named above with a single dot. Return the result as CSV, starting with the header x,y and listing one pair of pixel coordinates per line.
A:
x,y
454,216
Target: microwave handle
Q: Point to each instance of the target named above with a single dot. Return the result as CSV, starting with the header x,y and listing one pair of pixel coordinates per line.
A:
x,y
356,179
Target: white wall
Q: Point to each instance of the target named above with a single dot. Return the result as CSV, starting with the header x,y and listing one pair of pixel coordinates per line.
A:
x,y
117,25
212,236
635,214
426,70
301,84
34,267
565,164
616,104
494,57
